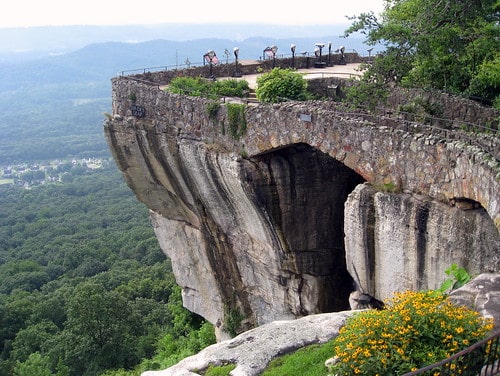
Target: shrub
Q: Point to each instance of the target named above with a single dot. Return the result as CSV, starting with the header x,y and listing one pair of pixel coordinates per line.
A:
x,y
416,329
213,110
486,84
194,86
232,320
457,277
198,86
308,360
231,88
280,85
366,94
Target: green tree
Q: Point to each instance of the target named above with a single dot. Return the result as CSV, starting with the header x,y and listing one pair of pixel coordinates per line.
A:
x,y
434,44
101,330
194,86
231,88
281,85
35,365
32,340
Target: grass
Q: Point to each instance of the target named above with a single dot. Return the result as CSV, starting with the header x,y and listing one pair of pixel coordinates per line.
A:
x,y
309,360
220,370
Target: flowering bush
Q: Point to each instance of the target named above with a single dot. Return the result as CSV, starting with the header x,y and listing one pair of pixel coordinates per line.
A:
x,y
416,329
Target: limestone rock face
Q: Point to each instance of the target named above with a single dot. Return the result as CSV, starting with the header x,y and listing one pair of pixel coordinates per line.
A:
x,y
290,218
482,294
400,241
287,233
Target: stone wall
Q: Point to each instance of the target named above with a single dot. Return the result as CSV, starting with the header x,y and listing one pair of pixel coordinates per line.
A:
x,y
383,150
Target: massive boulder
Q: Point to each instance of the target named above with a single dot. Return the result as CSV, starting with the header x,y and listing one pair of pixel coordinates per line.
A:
x,y
303,204
402,241
252,351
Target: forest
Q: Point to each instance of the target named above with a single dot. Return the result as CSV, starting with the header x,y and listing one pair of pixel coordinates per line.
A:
x,y
84,286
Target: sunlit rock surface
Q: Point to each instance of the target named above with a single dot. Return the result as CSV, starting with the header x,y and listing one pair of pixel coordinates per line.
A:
x,y
308,205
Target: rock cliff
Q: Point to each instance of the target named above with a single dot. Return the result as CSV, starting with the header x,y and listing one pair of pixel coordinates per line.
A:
x,y
306,207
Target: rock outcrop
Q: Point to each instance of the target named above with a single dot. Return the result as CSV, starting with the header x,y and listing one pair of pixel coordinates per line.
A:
x,y
482,294
402,241
252,351
304,206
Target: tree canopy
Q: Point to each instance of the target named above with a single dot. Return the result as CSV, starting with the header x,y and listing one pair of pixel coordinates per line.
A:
x,y
84,286
445,45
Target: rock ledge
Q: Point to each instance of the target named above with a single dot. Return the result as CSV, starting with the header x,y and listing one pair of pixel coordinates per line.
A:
x,y
252,350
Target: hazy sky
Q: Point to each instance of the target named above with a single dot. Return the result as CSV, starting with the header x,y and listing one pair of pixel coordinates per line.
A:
x,y
15,13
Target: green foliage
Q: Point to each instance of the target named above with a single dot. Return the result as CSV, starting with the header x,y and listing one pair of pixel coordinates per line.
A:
x,y
213,110
132,97
441,45
198,86
232,320
84,285
237,119
390,187
35,365
309,360
104,323
231,88
420,109
366,93
416,329
457,277
486,84
281,85
194,86
219,370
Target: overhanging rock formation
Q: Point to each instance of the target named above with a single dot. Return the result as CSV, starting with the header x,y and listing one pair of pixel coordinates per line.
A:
x,y
286,212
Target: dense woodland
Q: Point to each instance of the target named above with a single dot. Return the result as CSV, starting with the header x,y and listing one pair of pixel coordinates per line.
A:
x,y
84,287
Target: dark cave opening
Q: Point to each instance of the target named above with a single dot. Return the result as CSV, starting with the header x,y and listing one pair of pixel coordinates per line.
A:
x,y
302,191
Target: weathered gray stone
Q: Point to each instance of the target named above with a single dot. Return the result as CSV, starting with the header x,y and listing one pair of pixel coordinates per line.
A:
x,y
482,294
263,234
253,350
397,242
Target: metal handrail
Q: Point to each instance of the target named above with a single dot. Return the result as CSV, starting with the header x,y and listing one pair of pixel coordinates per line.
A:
x,y
482,358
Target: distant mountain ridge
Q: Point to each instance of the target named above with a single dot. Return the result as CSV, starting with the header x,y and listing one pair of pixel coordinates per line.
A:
x,y
40,41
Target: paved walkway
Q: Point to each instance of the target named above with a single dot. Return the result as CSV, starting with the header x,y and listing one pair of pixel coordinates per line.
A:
x,y
346,71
